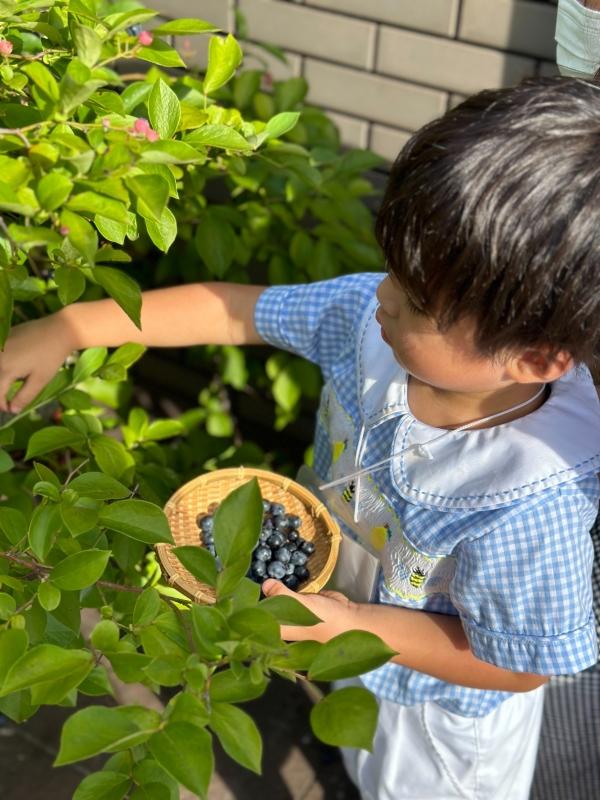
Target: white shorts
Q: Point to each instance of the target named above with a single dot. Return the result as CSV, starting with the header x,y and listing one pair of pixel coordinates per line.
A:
x,y
423,752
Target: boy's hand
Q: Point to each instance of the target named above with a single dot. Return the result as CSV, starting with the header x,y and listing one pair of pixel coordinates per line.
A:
x,y
337,612
34,351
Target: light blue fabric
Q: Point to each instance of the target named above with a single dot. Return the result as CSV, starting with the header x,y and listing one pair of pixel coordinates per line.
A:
x,y
522,581
577,39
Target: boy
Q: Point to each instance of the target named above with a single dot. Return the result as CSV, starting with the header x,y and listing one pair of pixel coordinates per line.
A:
x,y
464,439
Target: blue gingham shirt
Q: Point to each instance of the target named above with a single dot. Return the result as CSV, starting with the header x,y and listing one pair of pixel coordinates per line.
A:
x,y
522,580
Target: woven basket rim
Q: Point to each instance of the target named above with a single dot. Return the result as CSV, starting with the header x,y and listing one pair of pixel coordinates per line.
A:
x,y
203,593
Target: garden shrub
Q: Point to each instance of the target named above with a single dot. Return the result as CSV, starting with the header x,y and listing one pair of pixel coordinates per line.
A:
x,y
212,172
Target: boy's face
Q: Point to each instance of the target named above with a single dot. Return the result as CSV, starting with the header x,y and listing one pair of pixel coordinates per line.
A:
x,y
447,359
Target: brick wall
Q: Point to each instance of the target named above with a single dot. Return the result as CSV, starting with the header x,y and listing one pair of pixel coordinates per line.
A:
x,y
385,67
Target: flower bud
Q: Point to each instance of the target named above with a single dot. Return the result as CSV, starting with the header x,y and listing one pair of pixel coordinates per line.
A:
x,y
141,125
145,38
64,230
152,135
6,47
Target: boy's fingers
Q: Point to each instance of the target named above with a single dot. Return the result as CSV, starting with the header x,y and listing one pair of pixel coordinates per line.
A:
x,y
272,588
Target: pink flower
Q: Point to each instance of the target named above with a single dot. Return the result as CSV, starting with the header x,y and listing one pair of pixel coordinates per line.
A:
x,y
64,230
141,125
152,136
105,122
145,38
6,47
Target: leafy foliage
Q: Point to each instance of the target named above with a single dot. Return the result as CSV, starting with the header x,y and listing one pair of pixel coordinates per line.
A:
x,y
96,164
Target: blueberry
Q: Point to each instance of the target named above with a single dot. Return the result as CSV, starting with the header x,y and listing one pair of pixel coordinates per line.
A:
x,y
267,525
293,536
266,506
205,522
290,568
263,536
291,546
298,558
291,581
301,573
276,570
277,509
293,521
263,553
282,554
259,568
211,549
281,523
308,548
275,540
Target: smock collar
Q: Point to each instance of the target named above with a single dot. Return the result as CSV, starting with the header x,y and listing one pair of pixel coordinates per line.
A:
x,y
492,467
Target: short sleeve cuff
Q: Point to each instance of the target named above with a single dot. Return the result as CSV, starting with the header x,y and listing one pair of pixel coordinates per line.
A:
x,y
563,654
268,315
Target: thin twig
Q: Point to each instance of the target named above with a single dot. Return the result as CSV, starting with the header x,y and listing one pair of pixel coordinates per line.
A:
x,y
16,132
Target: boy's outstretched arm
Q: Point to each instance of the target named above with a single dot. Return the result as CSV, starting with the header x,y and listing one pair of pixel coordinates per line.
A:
x,y
435,644
200,313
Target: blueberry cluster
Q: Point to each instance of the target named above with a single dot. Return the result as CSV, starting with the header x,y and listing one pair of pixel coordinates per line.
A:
x,y
281,552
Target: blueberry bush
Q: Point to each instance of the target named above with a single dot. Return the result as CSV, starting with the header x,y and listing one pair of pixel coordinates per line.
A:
x,y
99,163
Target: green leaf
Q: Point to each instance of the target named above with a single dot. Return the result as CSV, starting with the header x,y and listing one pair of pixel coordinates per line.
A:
x,y
111,455
6,307
163,429
103,786
208,627
152,192
166,670
99,486
227,687
13,523
129,667
146,608
123,289
288,611
278,125
80,570
44,525
257,625
230,576
199,562
349,654
164,109
43,663
127,354
99,730
105,636
238,735
137,519
289,93
88,363
96,684
80,517
215,243
8,605
164,232
346,718
110,229
218,136
224,57
81,234
94,203
53,190
297,657
71,284
87,43
152,791
185,752
237,522
43,79
52,389
185,26
160,53
48,596
13,644
6,462
170,152
48,439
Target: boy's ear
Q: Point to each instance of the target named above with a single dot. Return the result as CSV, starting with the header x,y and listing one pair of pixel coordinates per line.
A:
x,y
540,365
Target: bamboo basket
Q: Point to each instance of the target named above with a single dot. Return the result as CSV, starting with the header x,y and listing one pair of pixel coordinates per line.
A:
x,y
203,495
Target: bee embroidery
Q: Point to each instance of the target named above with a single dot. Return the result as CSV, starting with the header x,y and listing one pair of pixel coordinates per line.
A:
x,y
417,577
348,492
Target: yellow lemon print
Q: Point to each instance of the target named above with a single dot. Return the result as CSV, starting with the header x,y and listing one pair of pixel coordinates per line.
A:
x,y
337,448
379,537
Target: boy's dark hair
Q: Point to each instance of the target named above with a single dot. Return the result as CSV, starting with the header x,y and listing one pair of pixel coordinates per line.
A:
x,y
493,212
